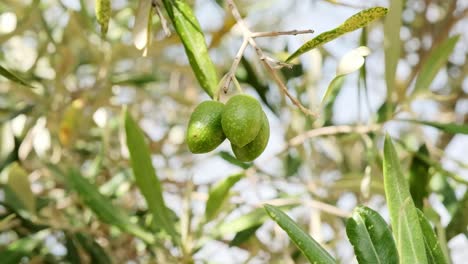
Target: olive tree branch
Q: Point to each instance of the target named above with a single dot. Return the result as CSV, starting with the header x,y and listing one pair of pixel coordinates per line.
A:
x,y
249,38
280,33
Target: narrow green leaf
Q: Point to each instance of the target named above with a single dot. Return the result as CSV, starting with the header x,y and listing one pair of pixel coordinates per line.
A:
x,y
333,88
93,249
452,128
436,60
13,77
419,177
308,246
403,215
73,255
329,100
434,252
436,165
103,14
145,176
371,238
231,159
102,206
459,222
440,185
385,111
243,236
20,248
392,47
356,21
218,195
189,31
19,183
254,218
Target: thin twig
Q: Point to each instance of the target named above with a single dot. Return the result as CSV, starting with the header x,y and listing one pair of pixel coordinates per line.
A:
x,y
232,72
264,59
281,33
331,130
157,6
324,207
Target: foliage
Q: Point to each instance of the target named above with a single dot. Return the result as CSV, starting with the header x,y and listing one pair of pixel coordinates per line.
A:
x,y
364,162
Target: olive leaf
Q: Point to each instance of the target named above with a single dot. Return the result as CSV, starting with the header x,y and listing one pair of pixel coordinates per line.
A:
x,y
145,176
356,21
103,14
437,59
23,247
13,77
243,222
434,252
306,244
218,194
101,205
371,238
19,183
189,31
392,47
419,177
96,253
452,128
403,215
459,222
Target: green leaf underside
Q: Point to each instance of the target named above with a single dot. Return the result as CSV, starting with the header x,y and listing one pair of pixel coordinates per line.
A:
x,y
437,59
356,21
306,244
189,31
371,238
403,214
145,176
434,252
218,195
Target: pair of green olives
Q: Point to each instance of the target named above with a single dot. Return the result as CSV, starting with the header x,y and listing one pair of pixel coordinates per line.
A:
x,y
241,120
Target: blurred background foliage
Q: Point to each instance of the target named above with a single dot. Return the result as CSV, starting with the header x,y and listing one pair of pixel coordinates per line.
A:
x,y
67,191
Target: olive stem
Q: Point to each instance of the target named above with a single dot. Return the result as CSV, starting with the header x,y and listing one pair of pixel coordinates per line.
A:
x,y
237,84
232,71
281,33
248,35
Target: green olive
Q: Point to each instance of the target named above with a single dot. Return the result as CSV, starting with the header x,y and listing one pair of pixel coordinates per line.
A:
x,y
241,119
204,131
252,150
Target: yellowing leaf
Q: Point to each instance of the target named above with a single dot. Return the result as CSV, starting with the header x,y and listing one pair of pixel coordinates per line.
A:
x,y
103,14
19,183
70,122
357,21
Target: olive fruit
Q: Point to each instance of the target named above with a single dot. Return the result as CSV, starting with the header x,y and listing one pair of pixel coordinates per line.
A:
x,y
204,131
252,150
241,119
